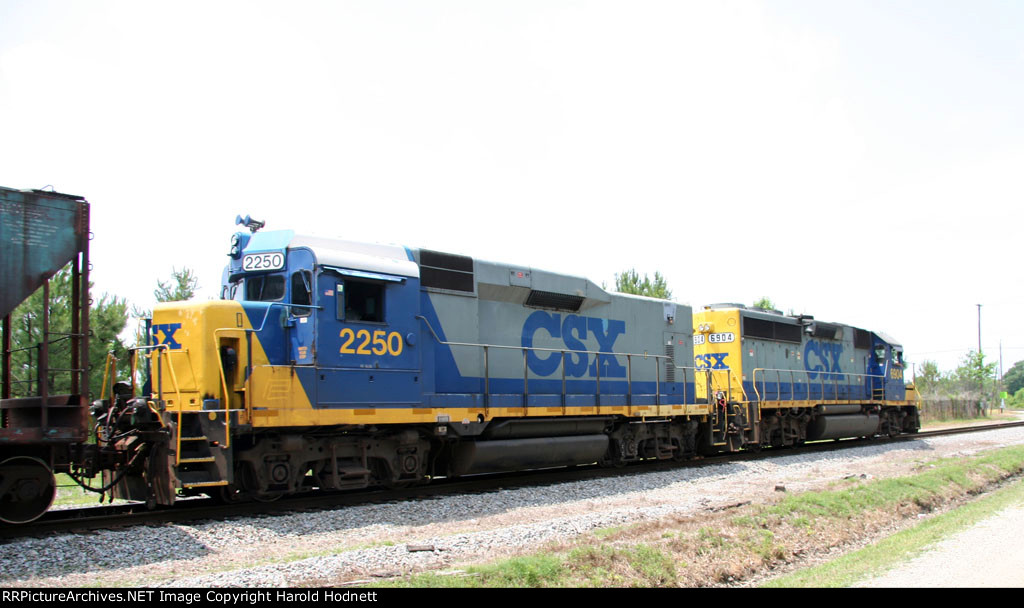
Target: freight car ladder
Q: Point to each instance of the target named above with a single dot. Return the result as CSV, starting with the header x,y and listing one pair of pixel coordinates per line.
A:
x,y
200,462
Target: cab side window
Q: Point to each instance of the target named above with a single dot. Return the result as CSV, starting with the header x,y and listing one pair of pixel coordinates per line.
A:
x,y
360,301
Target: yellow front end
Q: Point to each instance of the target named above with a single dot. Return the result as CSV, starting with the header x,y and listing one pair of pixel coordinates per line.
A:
x,y
717,349
201,354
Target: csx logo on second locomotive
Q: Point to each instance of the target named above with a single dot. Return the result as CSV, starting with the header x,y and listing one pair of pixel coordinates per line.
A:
x,y
823,358
710,361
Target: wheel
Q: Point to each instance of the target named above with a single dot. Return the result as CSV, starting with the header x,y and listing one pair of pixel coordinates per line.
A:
x,y
266,497
225,494
27,489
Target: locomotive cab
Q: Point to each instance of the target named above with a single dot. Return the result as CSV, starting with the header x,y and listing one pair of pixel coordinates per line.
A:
x,y
886,367
348,324
310,334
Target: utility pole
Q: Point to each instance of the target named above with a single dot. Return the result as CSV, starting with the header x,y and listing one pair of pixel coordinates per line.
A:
x,y
1002,401
979,329
981,360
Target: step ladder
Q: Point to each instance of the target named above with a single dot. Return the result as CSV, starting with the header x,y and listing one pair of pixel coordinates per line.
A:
x,y
201,462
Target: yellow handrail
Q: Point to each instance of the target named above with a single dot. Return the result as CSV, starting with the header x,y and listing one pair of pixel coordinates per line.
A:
x,y
134,367
111,359
157,350
224,386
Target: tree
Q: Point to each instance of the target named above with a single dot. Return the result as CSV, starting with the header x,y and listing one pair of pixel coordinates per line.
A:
x,y
1013,379
630,282
974,377
1016,400
107,318
929,380
182,286
765,303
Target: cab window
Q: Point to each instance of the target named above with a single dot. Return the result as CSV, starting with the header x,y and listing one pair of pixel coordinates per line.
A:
x,y
301,293
266,288
360,301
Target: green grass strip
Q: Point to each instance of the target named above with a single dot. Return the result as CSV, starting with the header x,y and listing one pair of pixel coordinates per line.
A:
x,y
874,560
646,566
538,570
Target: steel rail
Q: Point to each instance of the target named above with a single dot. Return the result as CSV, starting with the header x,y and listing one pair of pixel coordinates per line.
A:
x,y
132,514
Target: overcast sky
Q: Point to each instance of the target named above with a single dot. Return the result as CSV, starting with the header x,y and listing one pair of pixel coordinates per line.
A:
x,y
859,161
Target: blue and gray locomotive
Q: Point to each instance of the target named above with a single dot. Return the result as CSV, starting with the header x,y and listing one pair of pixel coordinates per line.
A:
x,y
335,364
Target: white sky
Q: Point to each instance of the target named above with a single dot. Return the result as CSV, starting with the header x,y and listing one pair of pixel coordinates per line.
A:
x,y
859,161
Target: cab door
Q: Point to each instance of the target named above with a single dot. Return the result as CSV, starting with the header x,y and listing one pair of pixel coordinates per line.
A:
x,y
878,369
300,319
368,355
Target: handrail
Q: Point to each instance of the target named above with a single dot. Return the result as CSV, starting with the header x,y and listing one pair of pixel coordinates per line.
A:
x,y
563,352
157,348
224,384
710,380
106,374
834,383
685,376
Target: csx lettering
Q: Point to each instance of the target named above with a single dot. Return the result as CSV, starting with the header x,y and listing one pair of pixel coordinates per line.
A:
x,y
573,330
167,329
825,359
711,361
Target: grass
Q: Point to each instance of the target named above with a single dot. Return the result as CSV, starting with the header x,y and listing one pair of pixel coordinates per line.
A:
x,y
606,532
994,416
733,545
70,493
904,545
641,565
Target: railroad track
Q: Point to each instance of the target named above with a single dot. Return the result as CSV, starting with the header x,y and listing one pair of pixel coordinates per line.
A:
x,y
202,509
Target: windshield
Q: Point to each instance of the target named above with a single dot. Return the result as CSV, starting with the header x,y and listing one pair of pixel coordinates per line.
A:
x,y
267,288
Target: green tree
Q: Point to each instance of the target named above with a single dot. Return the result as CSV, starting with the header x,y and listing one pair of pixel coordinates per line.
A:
x,y
1016,400
975,377
1013,379
929,380
107,319
181,286
630,282
765,303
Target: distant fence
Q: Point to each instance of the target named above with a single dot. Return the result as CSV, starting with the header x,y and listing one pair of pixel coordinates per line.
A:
x,y
951,409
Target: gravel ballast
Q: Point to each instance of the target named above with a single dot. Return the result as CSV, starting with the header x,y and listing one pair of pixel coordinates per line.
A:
x,y
365,542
